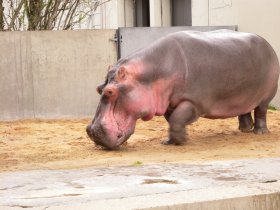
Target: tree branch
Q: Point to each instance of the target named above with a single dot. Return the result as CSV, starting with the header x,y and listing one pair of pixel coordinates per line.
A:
x,y
2,24
45,14
61,16
70,14
16,12
43,18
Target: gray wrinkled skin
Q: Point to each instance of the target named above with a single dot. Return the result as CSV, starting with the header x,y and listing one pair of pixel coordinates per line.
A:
x,y
214,75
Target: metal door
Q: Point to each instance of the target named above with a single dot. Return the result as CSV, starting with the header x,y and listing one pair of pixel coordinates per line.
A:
x,y
131,39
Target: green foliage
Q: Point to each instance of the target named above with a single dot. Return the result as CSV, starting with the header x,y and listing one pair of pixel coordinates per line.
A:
x,y
271,107
137,163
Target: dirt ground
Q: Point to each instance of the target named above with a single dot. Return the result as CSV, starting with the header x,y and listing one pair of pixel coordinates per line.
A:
x,y
63,144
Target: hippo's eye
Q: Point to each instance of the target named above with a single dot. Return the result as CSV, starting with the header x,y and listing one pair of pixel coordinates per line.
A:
x,y
125,88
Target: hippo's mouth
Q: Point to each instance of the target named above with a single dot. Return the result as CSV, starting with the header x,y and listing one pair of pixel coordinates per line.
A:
x,y
111,126
124,134
121,139
111,136
125,126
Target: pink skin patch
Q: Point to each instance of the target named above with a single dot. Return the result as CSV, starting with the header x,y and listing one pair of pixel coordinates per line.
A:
x,y
123,109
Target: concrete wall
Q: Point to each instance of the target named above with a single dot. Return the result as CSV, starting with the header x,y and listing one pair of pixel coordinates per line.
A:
x,y
166,13
160,13
52,74
256,16
125,13
155,13
109,14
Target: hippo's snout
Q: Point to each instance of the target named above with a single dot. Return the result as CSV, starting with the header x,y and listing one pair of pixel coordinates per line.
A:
x,y
101,136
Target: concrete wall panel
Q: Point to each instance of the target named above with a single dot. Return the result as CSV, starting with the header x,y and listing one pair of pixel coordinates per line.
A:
x,y
11,77
125,13
222,12
166,13
53,74
155,13
200,13
129,13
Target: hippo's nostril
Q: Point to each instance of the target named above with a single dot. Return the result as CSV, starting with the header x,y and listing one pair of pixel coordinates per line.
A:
x,y
119,136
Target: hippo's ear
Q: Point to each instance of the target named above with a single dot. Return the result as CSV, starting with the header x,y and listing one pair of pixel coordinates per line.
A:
x,y
100,88
122,73
110,68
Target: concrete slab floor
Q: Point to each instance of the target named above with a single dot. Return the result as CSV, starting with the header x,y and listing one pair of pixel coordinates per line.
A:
x,y
226,185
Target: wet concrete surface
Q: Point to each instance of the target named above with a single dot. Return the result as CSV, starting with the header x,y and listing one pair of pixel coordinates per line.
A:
x,y
45,188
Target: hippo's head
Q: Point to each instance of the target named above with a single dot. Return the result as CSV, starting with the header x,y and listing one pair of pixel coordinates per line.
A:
x,y
124,99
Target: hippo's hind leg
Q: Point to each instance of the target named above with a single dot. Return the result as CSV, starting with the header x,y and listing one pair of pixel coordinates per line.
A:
x,y
246,123
260,126
181,116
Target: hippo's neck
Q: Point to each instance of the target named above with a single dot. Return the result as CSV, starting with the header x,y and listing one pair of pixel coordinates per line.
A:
x,y
156,61
157,76
162,90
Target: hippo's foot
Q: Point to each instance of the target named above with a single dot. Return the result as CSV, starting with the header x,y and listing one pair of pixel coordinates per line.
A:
x,y
246,124
184,114
261,130
167,142
170,141
260,126
246,129
177,136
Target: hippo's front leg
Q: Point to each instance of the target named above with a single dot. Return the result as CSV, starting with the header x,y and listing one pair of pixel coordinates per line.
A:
x,y
182,115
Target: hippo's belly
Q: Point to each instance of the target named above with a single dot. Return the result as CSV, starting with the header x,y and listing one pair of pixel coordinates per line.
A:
x,y
233,106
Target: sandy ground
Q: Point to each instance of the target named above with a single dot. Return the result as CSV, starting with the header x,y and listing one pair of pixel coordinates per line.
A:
x,y
63,144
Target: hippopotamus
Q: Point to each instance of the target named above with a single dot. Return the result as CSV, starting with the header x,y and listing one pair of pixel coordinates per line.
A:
x,y
184,76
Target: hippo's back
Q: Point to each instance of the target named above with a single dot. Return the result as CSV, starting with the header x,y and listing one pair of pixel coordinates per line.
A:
x,y
227,70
